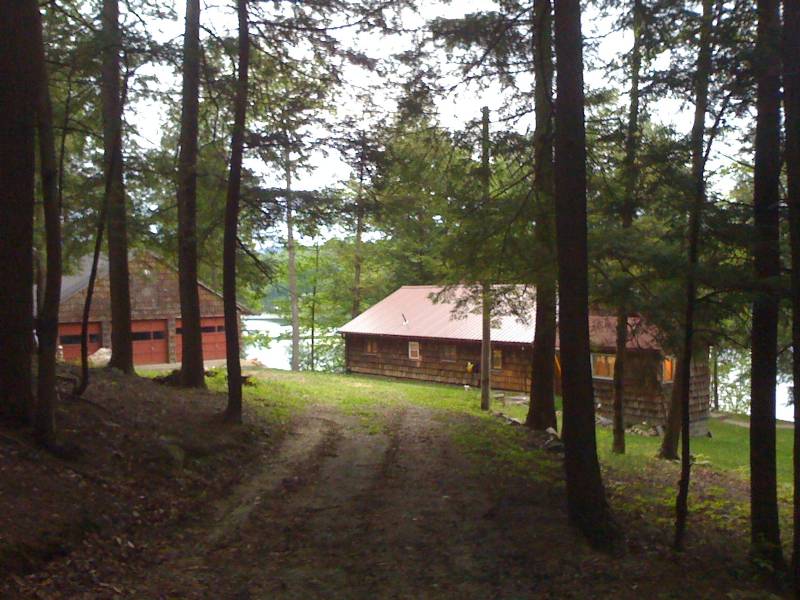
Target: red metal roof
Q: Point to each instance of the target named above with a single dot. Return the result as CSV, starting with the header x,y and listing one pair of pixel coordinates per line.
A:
x,y
412,312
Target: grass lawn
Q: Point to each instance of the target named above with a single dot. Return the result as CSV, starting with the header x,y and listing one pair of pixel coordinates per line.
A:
x,y
283,392
728,449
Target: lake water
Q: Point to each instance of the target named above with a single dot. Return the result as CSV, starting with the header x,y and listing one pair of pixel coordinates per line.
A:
x,y
278,354
783,410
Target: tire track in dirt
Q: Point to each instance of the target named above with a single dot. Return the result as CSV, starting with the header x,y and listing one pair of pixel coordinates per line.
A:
x,y
306,546
212,551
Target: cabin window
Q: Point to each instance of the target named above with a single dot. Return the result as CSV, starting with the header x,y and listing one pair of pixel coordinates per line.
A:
x,y
372,347
603,366
668,369
413,350
449,353
497,359
140,336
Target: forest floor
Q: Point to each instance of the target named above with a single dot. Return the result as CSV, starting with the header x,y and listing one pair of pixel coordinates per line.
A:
x,y
339,487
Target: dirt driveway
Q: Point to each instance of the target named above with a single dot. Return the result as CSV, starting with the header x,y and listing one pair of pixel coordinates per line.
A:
x,y
393,509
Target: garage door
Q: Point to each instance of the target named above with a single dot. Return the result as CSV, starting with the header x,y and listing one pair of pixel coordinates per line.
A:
x,y
213,329
69,337
213,332
149,342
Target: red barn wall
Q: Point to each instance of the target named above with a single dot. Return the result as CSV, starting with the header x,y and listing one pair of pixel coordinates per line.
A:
x,y
155,311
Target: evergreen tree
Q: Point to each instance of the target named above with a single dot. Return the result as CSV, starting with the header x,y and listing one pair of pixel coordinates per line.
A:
x,y
765,541
791,99
18,22
118,275
192,370
586,501
233,412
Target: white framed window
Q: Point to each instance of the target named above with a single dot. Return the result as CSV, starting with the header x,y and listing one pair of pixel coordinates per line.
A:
x,y
413,350
603,365
497,359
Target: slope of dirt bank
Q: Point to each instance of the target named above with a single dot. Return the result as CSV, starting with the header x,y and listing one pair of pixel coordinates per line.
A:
x,y
146,457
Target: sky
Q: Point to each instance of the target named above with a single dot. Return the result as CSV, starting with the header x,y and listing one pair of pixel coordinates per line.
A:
x,y
454,110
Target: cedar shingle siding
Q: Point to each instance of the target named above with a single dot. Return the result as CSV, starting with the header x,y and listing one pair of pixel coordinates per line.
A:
x,y
155,311
646,398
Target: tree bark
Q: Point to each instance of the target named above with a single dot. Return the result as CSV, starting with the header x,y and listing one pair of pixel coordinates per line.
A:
x,y
47,318
791,86
486,346
87,303
695,219
486,288
17,165
672,429
586,501
292,267
618,443
628,210
233,412
765,533
314,307
715,376
542,411
192,369
675,418
121,341
360,213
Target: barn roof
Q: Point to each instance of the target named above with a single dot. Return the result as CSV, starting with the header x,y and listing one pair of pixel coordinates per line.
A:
x,y
415,311
77,282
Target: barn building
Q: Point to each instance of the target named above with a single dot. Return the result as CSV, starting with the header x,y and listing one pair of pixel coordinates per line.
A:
x,y
410,336
155,312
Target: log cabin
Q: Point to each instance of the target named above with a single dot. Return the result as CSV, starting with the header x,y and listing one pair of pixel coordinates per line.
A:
x,y
415,334
155,311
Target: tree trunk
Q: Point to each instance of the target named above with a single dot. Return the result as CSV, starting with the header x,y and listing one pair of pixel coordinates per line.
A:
x,y
695,219
715,376
233,412
542,411
87,303
672,428
314,306
765,533
47,319
486,288
618,443
291,251
628,210
17,165
192,370
672,432
121,342
486,346
357,260
38,268
586,501
791,86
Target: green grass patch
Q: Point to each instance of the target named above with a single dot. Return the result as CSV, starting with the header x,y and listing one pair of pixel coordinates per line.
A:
x,y
727,449
280,394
